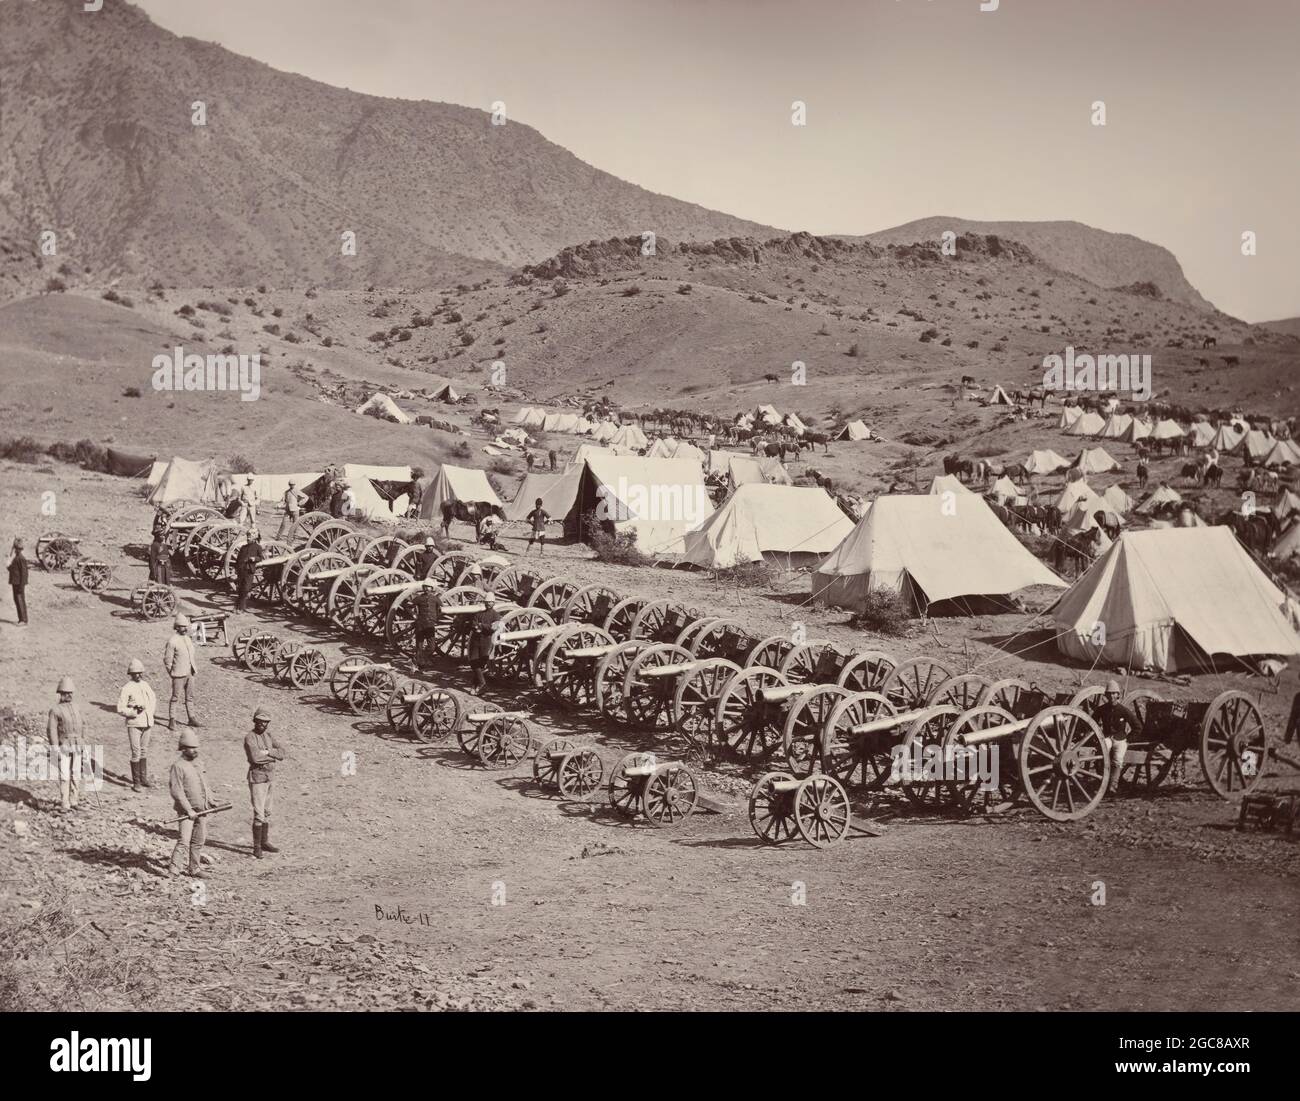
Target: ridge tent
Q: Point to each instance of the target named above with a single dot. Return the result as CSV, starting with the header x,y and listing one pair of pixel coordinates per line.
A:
x,y
1166,430
656,500
156,472
583,427
672,448
767,414
1074,491
1202,434
1256,444
585,451
947,483
1287,544
446,393
386,406
461,485
271,487
1173,598
1137,429
1161,495
1045,462
1095,460
515,435
1069,414
905,543
186,481
557,491
630,436
774,471
1285,504
1089,424
1115,427
1118,500
379,492
999,397
531,417
1082,515
127,465
854,430
742,470
791,421
1227,439
792,524
1004,489
1280,454
603,432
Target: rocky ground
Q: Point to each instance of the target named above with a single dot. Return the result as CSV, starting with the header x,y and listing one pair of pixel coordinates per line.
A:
x,y
518,900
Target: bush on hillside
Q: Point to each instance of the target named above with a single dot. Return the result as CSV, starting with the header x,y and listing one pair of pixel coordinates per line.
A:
x,y
90,455
22,450
616,548
884,613
131,392
240,465
52,285
461,450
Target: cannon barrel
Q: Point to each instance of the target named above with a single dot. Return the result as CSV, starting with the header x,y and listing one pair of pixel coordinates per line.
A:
x,y
1005,730
888,722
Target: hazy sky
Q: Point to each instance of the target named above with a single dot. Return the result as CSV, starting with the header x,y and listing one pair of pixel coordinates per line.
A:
x,y
914,107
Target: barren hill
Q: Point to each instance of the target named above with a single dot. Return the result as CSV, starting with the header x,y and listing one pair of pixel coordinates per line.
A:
x,y
1107,259
97,143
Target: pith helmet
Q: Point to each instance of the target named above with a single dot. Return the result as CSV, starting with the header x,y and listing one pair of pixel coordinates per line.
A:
x,y
189,740
66,685
428,541
135,666
1112,686
181,621
261,715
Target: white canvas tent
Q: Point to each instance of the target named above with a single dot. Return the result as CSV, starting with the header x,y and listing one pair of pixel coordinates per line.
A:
x,y
457,484
854,430
1227,439
774,471
1166,430
1115,427
1004,489
1202,434
1256,444
999,397
271,487
1285,504
1287,545
1089,424
557,491
584,452
1069,414
1095,460
657,500
1045,462
1137,429
790,524
1161,495
1282,453
672,448
912,545
370,503
446,393
629,436
947,483
604,432
1174,598
531,417
386,406
183,480
156,472
1120,501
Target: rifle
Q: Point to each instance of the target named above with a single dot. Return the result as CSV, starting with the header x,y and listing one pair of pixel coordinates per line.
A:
x,y
210,810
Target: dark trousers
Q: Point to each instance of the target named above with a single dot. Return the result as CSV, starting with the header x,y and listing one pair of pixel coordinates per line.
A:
x,y
245,587
20,602
425,637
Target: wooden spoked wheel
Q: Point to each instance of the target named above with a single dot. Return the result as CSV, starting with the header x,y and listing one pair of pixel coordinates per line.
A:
x,y
546,761
771,811
1148,762
802,730
911,683
447,568
1234,745
307,667
279,663
400,707
301,531
696,695
341,674
290,573
239,642
770,652
552,595
1064,766
722,638
686,636
399,622
503,742
1090,699
569,679
369,688
343,593
866,671
308,593
922,749
157,601
437,713
961,761
194,538
351,544
467,734
800,665
744,721
54,550
590,604
407,559
669,796
610,671
381,551
580,773
622,616
821,811
511,583
260,651
452,635
648,701
370,608
325,533
512,659
91,575
1005,694
963,691
209,558
662,621
624,791
844,753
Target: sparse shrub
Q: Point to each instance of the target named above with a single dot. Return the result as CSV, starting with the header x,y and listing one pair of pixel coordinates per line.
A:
x,y
946,342
293,338
22,450
466,339
54,285
884,613
90,455
277,312
559,288
929,335
375,338
683,288
632,291
271,328
186,310
240,465
131,392
328,342
503,466
854,351
461,450
616,548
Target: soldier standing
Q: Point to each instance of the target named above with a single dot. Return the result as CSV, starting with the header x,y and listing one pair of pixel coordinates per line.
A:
x,y
250,554
1117,723
181,664
293,501
482,639
426,558
18,580
138,705
248,503
65,731
428,613
262,751
189,792
160,565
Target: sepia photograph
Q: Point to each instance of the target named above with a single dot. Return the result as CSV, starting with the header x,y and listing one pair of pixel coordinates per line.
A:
x,y
727,507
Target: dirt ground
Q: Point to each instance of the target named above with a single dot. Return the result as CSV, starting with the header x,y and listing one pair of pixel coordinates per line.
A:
x,y
991,912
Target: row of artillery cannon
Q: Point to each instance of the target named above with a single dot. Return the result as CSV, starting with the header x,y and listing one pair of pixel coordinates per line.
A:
x,y
834,720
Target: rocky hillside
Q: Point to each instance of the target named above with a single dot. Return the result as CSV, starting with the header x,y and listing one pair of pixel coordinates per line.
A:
x,y
1107,259
97,143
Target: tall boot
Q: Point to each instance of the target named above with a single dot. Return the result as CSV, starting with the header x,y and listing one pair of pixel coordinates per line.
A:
x,y
257,840
135,775
266,839
144,773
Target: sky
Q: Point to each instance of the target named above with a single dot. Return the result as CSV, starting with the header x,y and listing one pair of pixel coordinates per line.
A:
x,y
914,108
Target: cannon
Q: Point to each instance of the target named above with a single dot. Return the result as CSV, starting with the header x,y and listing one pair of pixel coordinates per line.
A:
x,y
298,665
667,688
427,713
496,738
664,794
590,604
91,574
153,600
54,550
814,808
364,686
255,648
565,662
574,770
